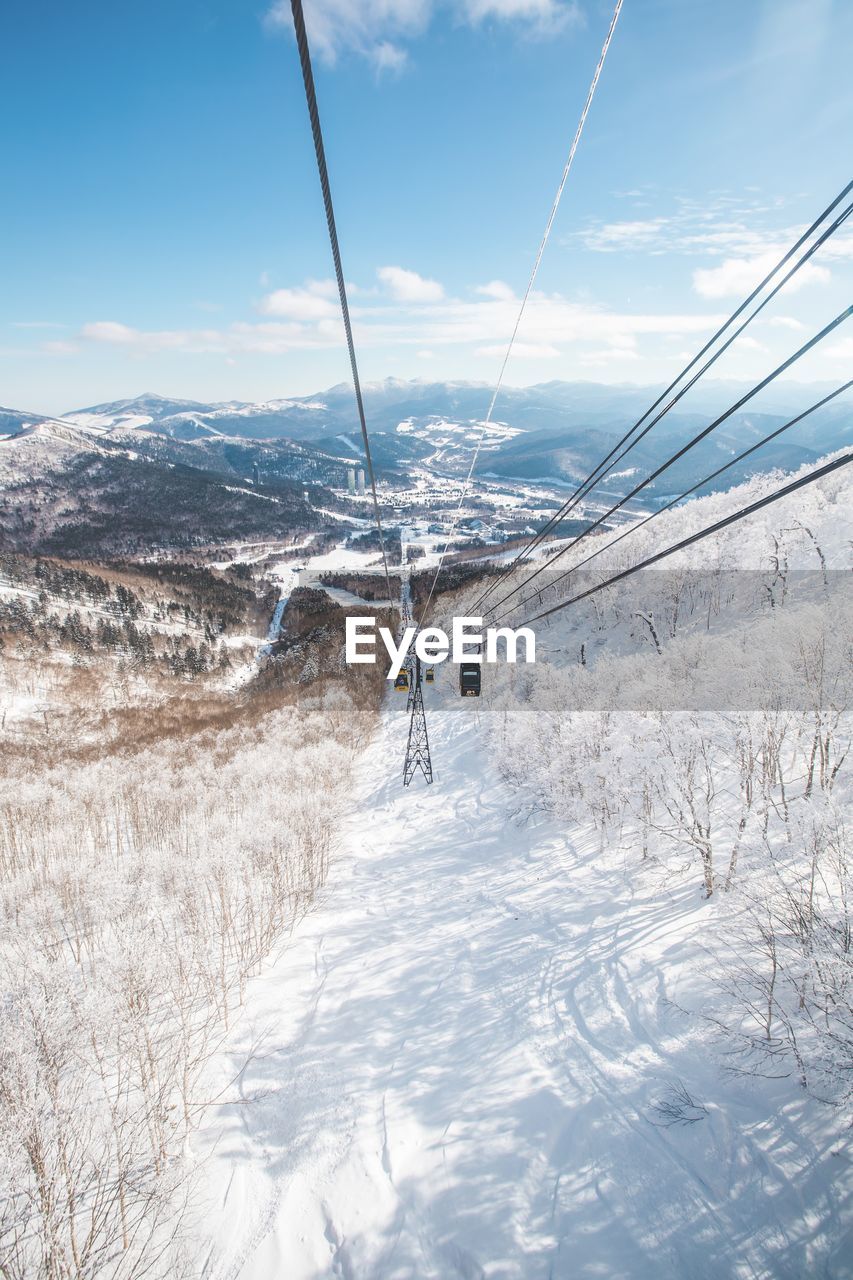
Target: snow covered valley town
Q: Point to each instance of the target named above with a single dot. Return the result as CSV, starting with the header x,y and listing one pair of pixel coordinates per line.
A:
x,y
574,1003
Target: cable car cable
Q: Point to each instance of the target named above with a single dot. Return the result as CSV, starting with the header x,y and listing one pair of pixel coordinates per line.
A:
x,y
784,492
599,471
314,114
601,468
687,492
701,435
551,217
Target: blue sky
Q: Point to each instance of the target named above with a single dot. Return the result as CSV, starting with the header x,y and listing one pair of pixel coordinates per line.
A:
x,y
163,229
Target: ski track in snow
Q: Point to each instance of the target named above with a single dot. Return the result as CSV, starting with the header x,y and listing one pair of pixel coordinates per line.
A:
x,y
450,1069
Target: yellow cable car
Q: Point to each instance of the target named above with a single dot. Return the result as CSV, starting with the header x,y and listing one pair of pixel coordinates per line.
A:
x,y
401,684
429,675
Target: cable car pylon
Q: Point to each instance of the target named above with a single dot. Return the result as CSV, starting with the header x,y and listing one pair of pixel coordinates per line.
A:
x,y
406,620
417,749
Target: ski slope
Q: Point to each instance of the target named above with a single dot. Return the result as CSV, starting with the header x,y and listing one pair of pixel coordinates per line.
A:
x,y
451,1069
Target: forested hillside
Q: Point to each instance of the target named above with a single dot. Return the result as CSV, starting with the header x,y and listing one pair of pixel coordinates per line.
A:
x,y
171,798
582,1006
67,498
699,717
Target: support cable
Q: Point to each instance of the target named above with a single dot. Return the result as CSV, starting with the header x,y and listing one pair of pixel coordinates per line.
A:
x,y
784,492
314,115
607,463
554,207
701,435
693,489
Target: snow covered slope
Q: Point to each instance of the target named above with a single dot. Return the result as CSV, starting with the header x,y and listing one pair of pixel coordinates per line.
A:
x,y
141,411
14,420
461,1066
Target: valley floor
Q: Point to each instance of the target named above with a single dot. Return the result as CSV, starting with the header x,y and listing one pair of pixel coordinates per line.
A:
x,y
452,1068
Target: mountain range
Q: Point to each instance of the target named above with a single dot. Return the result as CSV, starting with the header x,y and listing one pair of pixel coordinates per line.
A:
x,y
549,407
550,434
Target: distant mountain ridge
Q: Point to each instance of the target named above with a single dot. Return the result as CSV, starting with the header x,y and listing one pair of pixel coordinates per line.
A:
x,y
552,432
13,421
548,406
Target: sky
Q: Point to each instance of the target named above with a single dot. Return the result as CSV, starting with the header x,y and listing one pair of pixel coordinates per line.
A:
x,y
163,229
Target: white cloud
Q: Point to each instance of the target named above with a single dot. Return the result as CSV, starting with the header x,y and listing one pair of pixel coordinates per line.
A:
x,y
377,29
606,356
545,15
524,350
408,286
139,341
748,343
786,322
416,316
631,235
551,320
716,225
389,57
842,350
496,289
60,347
711,236
311,302
329,288
359,26
275,339
738,276
839,247
739,234
719,225
111,331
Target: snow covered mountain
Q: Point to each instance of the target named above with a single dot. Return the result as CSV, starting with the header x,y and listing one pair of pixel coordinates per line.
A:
x,y
67,490
556,429
553,407
189,419
13,421
143,411
550,435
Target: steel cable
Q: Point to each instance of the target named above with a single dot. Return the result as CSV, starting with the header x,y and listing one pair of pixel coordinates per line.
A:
x,y
314,115
554,207
601,468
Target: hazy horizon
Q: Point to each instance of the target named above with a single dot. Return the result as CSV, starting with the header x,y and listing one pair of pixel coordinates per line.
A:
x,y
508,388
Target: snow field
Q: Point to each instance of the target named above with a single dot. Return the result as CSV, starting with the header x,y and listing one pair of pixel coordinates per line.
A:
x,y
455,1067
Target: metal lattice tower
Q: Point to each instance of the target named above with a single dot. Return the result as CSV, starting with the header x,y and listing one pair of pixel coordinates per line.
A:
x,y
409,665
406,621
417,750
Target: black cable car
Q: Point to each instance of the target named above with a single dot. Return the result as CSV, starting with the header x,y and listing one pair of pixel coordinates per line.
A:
x,y
429,675
401,683
469,679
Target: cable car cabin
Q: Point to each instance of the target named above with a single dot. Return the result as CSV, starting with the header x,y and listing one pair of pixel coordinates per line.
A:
x,y
469,679
429,675
401,683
